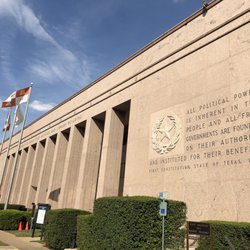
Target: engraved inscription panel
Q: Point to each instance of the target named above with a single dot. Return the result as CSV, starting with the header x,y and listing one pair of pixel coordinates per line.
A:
x,y
208,132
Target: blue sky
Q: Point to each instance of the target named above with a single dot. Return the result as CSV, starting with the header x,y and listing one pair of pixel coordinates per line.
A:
x,y
63,45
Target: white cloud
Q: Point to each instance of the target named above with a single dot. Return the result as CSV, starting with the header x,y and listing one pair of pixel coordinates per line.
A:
x,y
40,106
25,18
60,66
178,1
53,63
6,42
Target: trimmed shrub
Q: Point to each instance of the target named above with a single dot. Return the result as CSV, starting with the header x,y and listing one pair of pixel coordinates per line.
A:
x,y
224,233
60,227
131,223
13,206
85,232
10,219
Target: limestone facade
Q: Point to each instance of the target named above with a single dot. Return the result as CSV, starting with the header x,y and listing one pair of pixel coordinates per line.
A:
x,y
173,117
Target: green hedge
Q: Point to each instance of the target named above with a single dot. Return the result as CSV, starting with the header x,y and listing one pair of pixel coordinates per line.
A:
x,y
131,223
60,227
10,219
13,206
85,232
238,234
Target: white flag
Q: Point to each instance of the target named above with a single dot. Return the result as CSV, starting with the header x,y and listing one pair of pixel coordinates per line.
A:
x,y
19,116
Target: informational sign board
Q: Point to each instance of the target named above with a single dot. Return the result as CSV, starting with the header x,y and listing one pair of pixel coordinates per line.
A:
x,y
198,228
41,215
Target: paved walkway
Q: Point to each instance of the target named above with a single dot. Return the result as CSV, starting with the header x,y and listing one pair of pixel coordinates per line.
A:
x,y
20,243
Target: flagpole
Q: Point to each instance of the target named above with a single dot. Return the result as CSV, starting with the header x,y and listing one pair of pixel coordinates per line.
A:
x,y
4,134
8,149
2,141
17,151
5,130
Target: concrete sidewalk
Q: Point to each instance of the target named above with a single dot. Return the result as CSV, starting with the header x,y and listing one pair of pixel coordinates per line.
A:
x,y
20,243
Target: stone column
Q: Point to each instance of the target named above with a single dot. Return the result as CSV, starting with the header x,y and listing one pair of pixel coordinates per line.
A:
x,y
45,172
88,177
2,160
110,166
6,177
36,170
27,176
57,169
18,176
71,169
3,172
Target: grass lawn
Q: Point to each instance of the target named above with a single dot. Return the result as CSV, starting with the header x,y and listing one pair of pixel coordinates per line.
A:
x,y
25,233
3,244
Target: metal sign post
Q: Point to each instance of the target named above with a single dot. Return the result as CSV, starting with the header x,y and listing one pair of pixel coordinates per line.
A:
x,y
163,213
163,231
32,216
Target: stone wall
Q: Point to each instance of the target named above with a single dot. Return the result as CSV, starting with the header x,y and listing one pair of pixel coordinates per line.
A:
x,y
174,117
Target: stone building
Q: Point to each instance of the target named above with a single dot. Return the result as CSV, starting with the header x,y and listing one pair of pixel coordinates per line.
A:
x,y
173,117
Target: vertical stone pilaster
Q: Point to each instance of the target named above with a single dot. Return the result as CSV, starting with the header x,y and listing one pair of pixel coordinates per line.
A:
x,y
3,170
43,182
27,176
6,177
71,170
57,169
110,166
17,177
2,160
36,170
88,177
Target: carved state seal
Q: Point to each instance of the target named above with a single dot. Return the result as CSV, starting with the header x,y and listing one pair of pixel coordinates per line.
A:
x,y
166,134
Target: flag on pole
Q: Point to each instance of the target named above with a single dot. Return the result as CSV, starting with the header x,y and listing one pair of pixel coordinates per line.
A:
x,y
7,124
19,116
17,97
20,96
10,101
